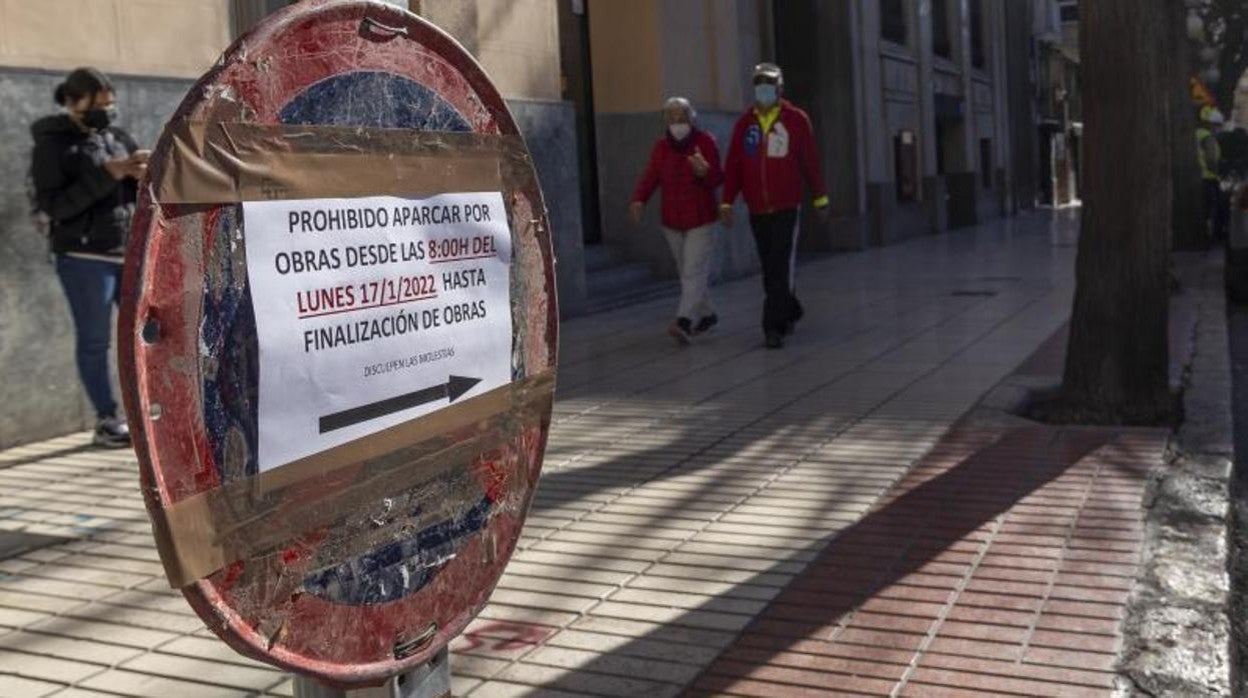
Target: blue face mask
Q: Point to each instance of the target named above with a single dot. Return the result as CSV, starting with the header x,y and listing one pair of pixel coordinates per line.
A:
x,y
766,95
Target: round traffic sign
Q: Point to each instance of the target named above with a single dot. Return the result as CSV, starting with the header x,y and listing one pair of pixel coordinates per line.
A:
x,y
338,341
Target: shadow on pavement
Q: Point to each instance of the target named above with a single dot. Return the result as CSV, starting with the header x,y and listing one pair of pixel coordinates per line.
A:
x,y
966,482
48,455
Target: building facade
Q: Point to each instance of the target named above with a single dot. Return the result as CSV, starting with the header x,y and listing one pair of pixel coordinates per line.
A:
x,y
925,112
154,50
39,43
921,108
1060,103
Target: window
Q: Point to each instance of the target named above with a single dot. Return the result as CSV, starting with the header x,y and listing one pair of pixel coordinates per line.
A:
x,y
893,21
941,43
985,161
977,33
906,163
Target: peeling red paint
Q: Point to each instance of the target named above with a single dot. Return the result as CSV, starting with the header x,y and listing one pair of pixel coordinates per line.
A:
x,y
258,605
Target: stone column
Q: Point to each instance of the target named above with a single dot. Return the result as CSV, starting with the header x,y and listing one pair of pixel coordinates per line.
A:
x,y
933,185
1002,157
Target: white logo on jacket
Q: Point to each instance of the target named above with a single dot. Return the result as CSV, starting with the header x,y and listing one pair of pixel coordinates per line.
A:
x,y
778,141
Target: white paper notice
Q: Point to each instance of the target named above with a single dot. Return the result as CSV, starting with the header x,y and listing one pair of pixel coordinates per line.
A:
x,y
374,311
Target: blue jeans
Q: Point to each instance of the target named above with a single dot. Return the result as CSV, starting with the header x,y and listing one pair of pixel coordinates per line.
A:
x,y
92,288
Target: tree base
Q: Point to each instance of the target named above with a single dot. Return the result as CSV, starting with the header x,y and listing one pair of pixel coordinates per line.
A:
x,y
1054,407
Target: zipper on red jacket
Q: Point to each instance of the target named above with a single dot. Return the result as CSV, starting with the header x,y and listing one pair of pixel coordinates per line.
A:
x,y
766,196
765,155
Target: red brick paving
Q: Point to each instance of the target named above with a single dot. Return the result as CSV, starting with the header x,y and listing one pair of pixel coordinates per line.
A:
x,y
1000,565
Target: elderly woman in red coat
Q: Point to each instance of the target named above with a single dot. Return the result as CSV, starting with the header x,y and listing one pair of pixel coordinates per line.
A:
x,y
685,165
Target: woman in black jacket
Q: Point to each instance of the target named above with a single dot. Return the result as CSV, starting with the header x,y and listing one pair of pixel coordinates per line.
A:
x,y
85,173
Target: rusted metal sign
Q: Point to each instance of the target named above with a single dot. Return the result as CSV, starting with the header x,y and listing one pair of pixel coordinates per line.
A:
x,y
338,341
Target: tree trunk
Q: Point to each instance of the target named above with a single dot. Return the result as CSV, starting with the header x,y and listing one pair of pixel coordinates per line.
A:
x,y
1187,216
1117,362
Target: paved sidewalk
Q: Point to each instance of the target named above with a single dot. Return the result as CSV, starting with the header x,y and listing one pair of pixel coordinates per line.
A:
x,y
691,495
1001,564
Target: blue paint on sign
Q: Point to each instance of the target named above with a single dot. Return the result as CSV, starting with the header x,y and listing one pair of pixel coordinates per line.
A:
x,y
394,571
376,100
230,352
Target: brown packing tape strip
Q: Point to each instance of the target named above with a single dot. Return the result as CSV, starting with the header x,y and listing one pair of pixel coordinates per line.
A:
x,y
220,162
208,531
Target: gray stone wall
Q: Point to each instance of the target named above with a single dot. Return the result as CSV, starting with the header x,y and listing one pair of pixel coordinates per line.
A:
x,y
549,128
39,389
818,46
624,145
1024,173
891,221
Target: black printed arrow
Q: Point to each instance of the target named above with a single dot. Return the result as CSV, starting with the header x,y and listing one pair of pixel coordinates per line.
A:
x,y
451,391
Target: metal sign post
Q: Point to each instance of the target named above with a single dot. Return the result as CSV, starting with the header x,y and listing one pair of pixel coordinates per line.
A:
x,y
433,680
338,345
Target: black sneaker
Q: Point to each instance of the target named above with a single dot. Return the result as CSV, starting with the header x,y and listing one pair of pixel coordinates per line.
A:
x,y
681,331
774,340
111,432
791,325
706,323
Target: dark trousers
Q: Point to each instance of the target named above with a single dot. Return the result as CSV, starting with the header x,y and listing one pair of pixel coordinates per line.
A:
x,y
91,287
1217,209
775,235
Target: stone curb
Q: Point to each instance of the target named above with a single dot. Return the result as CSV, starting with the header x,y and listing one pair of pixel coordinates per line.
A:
x,y
1177,630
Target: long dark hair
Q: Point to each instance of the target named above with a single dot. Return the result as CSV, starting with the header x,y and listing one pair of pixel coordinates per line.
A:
x,y
83,82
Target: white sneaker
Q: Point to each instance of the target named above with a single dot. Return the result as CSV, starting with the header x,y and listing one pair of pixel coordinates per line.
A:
x,y
679,331
112,432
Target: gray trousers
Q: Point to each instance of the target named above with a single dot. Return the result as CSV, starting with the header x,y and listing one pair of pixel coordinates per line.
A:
x,y
692,250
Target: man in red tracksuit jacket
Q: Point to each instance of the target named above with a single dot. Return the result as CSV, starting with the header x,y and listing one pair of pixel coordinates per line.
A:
x,y
771,153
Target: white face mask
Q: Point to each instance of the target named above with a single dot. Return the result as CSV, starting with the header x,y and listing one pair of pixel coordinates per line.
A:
x,y
679,131
766,94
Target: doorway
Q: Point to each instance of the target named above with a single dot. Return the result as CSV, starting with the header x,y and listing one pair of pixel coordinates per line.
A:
x,y
578,88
